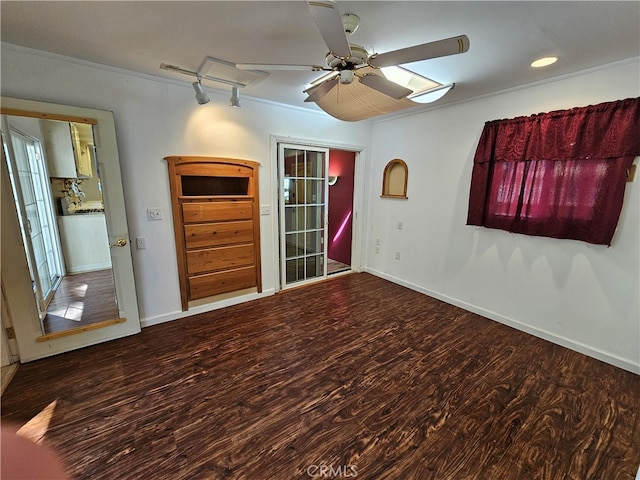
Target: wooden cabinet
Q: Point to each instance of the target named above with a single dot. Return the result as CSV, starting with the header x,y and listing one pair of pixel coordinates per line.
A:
x,y
216,219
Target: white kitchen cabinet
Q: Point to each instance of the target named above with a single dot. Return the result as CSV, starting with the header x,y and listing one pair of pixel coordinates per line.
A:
x,y
67,155
59,149
85,242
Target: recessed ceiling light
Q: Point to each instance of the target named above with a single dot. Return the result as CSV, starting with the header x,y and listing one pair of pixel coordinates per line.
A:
x,y
544,62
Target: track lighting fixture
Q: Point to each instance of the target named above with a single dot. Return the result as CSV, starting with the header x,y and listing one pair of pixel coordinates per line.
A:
x,y
201,95
234,101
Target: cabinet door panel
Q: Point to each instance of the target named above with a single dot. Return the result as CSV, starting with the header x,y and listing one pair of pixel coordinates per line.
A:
x,y
217,234
216,283
196,212
59,148
209,260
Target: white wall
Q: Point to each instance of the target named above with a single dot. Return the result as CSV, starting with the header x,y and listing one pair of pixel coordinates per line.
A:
x,y
155,119
579,295
575,294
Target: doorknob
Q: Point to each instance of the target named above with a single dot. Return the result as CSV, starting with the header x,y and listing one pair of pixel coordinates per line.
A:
x,y
121,242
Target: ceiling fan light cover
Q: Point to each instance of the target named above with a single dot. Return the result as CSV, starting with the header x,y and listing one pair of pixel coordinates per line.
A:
x,y
346,77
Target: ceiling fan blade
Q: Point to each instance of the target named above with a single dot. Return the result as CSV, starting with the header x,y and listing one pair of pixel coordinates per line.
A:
x,y
439,48
318,91
329,21
277,66
385,86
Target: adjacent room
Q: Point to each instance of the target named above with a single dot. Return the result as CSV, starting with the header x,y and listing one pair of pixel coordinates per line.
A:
x,y
328,239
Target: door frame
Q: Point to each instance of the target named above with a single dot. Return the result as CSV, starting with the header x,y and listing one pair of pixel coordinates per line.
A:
x,y
357,252
16,280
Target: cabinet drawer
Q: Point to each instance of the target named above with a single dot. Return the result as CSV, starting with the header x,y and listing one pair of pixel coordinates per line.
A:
x,y
216,234
199,261
216,283
197,212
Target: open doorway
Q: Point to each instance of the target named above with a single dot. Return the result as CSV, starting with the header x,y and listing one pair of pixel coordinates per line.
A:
x,y
341,182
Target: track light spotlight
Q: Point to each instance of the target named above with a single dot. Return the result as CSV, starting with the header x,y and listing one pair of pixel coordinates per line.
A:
x,y
234,101
201,95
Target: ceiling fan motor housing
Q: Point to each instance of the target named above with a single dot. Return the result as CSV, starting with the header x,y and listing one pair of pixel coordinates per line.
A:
x,y
358,56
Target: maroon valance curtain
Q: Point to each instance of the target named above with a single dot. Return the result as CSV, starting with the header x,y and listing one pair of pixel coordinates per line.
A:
x,y
559,174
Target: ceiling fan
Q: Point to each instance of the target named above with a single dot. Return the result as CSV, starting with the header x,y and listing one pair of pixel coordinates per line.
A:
x,y
346,60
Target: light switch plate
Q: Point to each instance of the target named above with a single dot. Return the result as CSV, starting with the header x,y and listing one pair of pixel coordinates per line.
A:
x,y
154,213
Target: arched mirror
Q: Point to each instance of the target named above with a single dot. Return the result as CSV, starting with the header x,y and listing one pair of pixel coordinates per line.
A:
x,y
73,229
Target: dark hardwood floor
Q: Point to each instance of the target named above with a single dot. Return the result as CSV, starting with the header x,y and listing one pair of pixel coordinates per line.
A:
x,y
80,300
350,377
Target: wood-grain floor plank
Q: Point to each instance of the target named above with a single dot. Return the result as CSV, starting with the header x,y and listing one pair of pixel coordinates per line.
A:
x,y
356,373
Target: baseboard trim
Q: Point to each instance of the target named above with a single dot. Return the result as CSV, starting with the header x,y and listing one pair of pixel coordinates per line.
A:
x,y
94,267
543,334
176,315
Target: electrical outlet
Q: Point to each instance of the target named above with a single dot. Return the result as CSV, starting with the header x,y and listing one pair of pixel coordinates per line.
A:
x,y
400,225
141,243
377,248
154,213
397,255
265,210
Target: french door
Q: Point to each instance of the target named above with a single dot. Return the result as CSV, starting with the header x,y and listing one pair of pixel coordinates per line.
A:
x,y
303,213
36,215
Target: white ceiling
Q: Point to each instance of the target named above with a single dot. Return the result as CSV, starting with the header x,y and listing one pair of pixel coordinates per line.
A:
x,y
504,36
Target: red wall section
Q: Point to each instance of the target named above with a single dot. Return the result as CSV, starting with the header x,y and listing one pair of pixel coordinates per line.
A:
x,y
341,164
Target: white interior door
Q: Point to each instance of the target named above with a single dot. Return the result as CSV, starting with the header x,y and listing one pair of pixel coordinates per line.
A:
x,y
16,279
303,213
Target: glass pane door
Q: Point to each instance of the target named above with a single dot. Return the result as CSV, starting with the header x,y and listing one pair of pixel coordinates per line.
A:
x,y
28,176
303,212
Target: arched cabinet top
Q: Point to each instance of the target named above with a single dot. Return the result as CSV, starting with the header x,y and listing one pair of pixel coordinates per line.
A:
x,y
213,176
210,165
